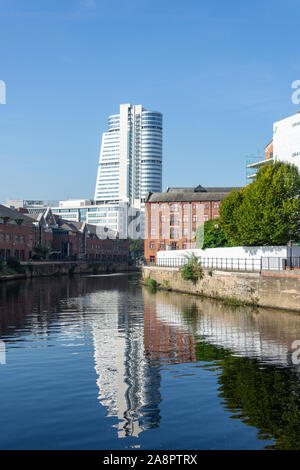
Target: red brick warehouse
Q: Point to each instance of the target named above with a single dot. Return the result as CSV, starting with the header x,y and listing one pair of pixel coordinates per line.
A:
x,y
172,217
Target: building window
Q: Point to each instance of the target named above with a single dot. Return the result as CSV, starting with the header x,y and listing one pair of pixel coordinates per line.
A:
x,y
173,233
162,245
195,218
173,219
152,245
216,205
153,231
174,207
195,206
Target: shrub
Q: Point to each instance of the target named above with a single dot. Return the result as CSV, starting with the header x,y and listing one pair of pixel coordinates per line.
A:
x,y
14,264
191,270
151,283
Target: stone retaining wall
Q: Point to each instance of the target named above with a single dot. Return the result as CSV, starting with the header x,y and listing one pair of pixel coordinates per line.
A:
x,y
280,289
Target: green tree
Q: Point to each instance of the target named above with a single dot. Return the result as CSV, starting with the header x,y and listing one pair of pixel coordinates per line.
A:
x,y
136,248
214,236
266,211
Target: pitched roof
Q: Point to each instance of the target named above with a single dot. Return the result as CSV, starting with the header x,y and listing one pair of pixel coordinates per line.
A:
x,y
190,194
13,214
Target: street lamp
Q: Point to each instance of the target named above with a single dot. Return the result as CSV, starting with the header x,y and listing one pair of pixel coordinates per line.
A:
x,y
290,247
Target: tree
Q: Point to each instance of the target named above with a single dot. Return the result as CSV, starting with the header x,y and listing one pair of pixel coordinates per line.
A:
x,y
214,236
136,248
265,212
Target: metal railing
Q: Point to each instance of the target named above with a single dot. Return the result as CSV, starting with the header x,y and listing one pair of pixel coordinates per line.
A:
x,y
234,264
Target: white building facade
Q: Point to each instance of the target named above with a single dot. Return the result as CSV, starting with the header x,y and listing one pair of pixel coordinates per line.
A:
x,y
130,162
286,140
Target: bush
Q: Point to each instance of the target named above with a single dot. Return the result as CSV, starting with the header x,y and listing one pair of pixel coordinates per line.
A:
x,y
14,264
191,270
151,283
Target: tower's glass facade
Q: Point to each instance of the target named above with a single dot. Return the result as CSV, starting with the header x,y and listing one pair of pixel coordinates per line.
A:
x,y
130,163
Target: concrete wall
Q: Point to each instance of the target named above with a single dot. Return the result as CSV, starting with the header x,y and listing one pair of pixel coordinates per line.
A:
x,y
44,268
268,289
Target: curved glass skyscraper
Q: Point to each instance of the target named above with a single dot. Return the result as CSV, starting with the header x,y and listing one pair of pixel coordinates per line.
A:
x,y
130,163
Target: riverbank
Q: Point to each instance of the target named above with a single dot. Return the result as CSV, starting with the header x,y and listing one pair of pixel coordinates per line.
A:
x,y
275,289
57,268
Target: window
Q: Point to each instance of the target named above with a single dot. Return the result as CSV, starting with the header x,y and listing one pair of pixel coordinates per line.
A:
x,y
216,205
195,206
174,207
162,245
153,231
173,233
173,219
152,245
195,218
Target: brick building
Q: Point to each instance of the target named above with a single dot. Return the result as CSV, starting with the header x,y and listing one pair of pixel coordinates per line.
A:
x,y
21,234
172,217
18,235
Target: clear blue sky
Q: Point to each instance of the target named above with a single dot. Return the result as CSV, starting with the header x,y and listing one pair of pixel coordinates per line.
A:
x,y
220,72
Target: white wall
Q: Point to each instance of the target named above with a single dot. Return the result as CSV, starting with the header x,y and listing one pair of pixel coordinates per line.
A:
x,y
248,257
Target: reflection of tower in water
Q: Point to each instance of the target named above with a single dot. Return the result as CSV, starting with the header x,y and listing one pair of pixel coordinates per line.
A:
x,y
128,383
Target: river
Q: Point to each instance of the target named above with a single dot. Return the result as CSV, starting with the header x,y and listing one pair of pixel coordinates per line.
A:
x,y
100,362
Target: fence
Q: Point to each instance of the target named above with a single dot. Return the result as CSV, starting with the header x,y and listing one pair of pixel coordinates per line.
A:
x,y
235,264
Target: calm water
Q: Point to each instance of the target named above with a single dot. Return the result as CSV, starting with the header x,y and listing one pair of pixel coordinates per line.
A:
x,y
102,363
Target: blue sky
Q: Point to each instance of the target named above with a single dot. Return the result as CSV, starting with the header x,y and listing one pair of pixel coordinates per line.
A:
x,y
220,72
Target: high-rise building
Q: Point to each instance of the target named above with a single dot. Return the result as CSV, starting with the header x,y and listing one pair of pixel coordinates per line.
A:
x,y
130,163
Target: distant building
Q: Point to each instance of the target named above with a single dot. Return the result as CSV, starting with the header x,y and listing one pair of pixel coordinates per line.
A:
x,y
130,161
173,217
32,205
122,218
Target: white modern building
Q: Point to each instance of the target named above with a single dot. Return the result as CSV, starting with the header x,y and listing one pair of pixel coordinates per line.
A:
x,y
286,140
284,147
127,221
130,162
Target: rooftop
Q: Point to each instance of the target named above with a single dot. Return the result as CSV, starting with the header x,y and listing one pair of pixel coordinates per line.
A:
x,y
197,194
13,214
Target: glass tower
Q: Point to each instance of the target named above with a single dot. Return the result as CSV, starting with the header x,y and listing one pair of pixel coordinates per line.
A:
x,y
130,162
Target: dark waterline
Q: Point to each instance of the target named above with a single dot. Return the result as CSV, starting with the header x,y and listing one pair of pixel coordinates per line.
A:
x,y
103,363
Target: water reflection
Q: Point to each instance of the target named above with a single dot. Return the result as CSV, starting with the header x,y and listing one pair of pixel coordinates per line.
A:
x,y
136,338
